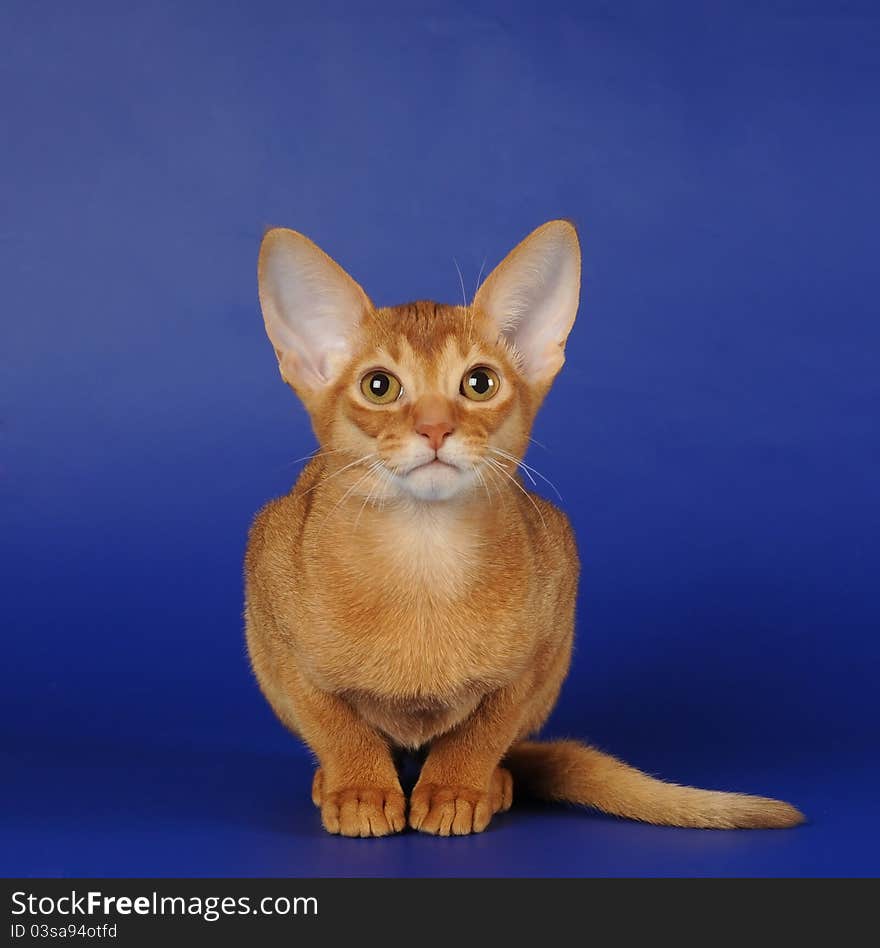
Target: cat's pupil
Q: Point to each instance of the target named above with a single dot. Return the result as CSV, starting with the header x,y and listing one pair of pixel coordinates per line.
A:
x,y
480,382
379,384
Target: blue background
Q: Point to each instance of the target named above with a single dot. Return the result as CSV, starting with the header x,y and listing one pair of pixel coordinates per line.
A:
x,y
714,433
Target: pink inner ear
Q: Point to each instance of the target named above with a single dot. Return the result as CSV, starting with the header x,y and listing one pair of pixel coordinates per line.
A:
x,y
531,297
291,368
311,306
311,373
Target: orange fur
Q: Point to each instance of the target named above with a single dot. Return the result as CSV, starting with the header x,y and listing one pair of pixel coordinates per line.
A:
x,y
391,606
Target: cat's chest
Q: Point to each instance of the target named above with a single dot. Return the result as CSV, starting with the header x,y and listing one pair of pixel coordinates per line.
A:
x,y
415,612
412,565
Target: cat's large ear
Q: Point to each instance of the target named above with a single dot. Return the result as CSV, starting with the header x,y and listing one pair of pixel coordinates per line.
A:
x,y
312,308
531,298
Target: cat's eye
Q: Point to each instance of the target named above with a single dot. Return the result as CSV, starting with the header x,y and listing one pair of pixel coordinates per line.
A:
x,y
380,387
480,383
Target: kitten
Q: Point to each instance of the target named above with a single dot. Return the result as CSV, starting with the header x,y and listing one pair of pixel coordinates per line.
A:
x,y
409,592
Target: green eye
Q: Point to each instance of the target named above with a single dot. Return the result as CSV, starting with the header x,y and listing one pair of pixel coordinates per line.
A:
x,y
480,384
380,387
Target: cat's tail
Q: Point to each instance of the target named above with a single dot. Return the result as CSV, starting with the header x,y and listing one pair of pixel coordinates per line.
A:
x,y
574,773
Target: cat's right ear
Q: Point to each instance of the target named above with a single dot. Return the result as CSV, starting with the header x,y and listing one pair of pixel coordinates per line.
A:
x,y
312,309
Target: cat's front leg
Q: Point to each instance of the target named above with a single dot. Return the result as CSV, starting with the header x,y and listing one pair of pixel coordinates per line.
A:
x,y
356,788
461,785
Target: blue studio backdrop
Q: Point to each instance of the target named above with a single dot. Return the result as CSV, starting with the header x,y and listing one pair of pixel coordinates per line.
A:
x,y
713,434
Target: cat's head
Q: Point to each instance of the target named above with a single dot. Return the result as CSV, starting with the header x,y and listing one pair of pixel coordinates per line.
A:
x,y
430,398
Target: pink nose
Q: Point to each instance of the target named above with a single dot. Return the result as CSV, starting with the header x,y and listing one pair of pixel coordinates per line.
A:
x,y
435,432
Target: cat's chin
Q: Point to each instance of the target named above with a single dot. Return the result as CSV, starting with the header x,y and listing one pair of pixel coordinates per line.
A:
x,y
434,481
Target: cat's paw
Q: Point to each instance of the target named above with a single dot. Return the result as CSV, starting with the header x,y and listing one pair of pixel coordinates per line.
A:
x,y
444,810
360,811
501,790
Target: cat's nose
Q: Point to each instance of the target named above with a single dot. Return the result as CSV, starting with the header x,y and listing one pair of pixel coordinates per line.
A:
x,y
435,431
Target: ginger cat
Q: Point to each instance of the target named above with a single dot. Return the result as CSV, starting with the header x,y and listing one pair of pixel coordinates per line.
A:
x,y
409,592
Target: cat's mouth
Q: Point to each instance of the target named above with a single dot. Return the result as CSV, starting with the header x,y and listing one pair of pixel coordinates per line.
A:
x,y
433,479
434,464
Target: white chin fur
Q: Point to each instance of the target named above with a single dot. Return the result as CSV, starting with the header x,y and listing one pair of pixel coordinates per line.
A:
x,y
434,482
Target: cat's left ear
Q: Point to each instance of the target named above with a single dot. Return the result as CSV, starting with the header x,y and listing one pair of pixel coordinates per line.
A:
x,y
531,298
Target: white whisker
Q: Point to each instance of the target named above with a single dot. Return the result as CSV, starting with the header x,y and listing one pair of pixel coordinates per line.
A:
x,y
341,470
461,281
497,465
510,457
497,482
482,481
491,470
353,487
386,479
367,497
479,275
529,471
379,468
317,453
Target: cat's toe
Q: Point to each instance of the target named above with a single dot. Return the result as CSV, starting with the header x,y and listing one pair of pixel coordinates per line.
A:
x,y
501,790
363,811
444,810
318,788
